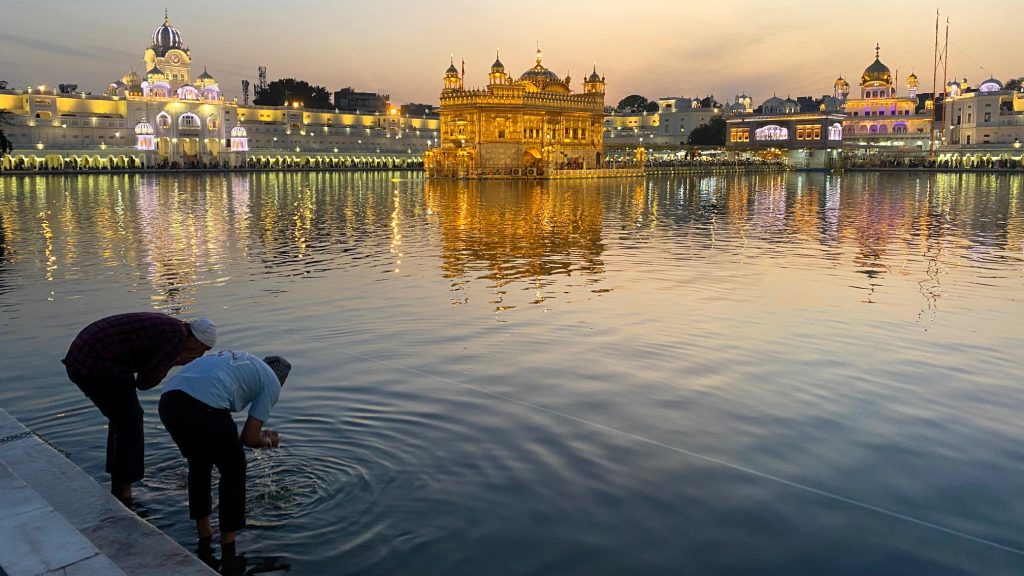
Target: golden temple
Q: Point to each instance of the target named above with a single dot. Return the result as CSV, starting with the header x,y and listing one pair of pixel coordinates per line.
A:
x,y
526,128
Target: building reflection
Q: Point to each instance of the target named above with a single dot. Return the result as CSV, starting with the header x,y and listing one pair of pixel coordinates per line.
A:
x,y
170,236
505,231
5,285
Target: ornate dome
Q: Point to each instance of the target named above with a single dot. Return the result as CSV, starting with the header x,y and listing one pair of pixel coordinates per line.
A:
x,y
155,71
131,79
912,80
594,76
205,75
540,76
238,132
991,85
144,128
166,38
497,67
877,73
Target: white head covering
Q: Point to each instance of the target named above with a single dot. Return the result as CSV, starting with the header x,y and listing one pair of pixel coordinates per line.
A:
x,y
204,330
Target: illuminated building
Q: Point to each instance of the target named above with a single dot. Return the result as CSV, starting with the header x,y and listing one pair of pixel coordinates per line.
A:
x,y
982,125
881,117
669,127
165,116
809,140
349,100
528,127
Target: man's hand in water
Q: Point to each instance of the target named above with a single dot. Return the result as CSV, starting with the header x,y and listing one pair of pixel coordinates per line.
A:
x,y
273,437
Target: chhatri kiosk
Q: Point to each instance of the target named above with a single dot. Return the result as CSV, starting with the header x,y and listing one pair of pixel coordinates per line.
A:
x,y
533,127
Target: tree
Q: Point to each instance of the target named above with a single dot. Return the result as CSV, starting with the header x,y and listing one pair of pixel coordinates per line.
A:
x,y
285,91
5,144
633,103
709,102
710,134
1016,84
652,107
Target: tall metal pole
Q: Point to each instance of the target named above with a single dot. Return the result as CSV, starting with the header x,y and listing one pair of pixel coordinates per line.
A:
x,y
935,73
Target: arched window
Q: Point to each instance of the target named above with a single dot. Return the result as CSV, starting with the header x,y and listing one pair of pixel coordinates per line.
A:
x,y
771,132
899,128
188,93
212,123
835,131
883,129
862,129
189,120
163,120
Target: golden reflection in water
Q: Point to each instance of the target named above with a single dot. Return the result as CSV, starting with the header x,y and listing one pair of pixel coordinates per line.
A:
x,y
396,229
175,234
51,259
512,231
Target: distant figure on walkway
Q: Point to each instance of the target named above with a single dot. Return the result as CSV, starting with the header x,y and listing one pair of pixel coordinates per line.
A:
x,y
196,409
111,358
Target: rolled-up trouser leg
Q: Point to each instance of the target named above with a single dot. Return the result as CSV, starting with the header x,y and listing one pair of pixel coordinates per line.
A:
x,y
199,498
116,398
231,490
129,450
207,437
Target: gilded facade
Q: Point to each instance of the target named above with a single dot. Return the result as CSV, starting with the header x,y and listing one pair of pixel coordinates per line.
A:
x,y
165,115
530,127
881,117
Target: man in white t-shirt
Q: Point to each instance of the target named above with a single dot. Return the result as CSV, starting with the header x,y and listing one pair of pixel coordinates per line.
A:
x,y
196,409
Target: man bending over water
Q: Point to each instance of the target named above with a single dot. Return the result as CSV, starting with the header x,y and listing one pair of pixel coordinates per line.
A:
x,y
196,409
114,356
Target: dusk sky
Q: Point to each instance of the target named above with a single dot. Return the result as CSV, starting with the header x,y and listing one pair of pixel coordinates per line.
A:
x,y
401,47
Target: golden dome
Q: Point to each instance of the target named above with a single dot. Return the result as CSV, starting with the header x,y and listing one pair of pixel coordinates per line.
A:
x,y
540,76
876,74
452,71
497,67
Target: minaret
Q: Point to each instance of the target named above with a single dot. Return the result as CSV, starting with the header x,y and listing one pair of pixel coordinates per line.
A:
x,y
594,84
912,85
452,80
842,89
497,75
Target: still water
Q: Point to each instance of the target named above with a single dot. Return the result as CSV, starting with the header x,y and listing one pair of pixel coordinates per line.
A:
x,y
745,374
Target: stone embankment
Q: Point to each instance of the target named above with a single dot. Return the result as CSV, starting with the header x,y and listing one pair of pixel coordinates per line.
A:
x,y
57,521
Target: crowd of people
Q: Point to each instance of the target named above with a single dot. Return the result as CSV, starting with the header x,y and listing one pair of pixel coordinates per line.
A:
x,y
112,358
23,163
943,162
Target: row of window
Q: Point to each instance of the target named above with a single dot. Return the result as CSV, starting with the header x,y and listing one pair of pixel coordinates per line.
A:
x,y
879,93
739,135
775,133
882,113
808,132
187,121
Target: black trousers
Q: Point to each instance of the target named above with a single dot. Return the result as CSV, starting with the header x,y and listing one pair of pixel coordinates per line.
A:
x,y
208,437
116,398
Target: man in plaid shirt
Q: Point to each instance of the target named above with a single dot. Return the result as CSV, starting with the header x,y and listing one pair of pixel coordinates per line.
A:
x,y
114,356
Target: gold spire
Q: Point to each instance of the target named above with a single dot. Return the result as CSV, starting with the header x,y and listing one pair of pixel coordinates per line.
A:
x,y
167,20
